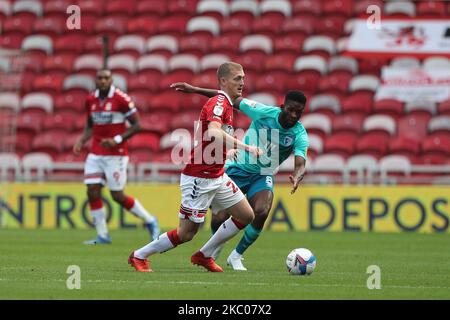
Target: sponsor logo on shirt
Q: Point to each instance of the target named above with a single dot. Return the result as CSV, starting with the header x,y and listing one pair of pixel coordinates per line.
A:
x,y
102,117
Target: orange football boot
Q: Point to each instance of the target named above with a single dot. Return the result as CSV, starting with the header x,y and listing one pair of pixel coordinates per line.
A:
x,y
141,265
199,259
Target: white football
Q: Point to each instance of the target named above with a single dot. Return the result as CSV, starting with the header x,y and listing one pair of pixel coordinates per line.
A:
x,y
301,261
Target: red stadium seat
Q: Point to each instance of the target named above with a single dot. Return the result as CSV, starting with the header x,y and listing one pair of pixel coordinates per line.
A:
x,y
214,9
272,82
341,143
156,122
11,40
251,60
144,26
56,9
197,44
185,120
336,83
166,101
141,156
307,8
332,26
348,123
92,7
414,126
144,141
59,63
111,25
342,8
444,107
48,83
60,120
69,43
391,107
182,7
142,99
268,25
360,102
404,146
360,7
298,26
289,44
236,25
174,76
94,44
23,140
18,25
433,158
173,25
430,9
151,9
280,62
119,7
50,26
143,82
227,44
307,81
437,145
70,101
373,144
50,142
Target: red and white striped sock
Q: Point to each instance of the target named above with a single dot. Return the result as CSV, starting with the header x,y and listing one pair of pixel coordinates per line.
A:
x,y
135,207
163,243
99,216
226,231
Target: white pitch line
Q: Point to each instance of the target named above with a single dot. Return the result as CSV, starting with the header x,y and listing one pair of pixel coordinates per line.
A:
x,y
229,283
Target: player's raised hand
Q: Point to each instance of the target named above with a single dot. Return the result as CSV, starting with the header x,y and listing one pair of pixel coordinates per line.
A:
x,y
183,87
232,154
108,143
295,183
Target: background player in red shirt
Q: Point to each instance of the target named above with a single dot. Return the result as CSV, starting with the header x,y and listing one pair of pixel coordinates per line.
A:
x,y
108,109
204,182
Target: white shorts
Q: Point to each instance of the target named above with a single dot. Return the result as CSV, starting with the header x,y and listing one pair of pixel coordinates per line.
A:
x,y
106,169
198,194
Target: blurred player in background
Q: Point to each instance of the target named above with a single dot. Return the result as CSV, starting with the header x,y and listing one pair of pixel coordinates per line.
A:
x,y
204,182
279,133
108,109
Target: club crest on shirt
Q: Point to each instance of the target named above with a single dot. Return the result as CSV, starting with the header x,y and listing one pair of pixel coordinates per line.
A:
x,y
218,110
108,106
287,141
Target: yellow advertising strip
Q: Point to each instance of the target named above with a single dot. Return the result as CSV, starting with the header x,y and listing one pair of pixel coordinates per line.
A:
x,y
318,208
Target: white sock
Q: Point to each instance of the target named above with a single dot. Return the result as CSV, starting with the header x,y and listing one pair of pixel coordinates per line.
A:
x,y
161,244
140,211
100,222
226,231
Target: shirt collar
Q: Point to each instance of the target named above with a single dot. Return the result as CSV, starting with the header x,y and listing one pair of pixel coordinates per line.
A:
x,y
227,96
110,92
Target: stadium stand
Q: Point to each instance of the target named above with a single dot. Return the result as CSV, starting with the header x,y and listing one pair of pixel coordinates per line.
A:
x,y
291,44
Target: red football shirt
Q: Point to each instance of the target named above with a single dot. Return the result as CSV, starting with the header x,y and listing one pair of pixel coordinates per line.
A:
x,y
109,119
205,162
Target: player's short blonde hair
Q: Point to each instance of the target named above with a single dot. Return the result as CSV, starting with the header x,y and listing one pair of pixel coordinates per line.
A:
x,y
225,69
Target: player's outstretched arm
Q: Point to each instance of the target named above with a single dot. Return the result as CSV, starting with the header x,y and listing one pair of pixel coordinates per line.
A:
x,y
299,173
215,131
87,134
188,88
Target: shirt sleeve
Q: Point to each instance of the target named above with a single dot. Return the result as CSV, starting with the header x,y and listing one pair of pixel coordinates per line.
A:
x,y
255,110
214,109
127,106
301,145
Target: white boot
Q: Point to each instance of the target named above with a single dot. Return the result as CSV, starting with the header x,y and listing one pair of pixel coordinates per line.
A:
x,y
235,261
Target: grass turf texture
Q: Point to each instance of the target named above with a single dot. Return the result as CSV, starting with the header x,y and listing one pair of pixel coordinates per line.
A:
x,y
33,265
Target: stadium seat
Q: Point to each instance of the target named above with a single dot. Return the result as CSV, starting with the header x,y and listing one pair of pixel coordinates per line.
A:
x,y
38,43
49,142
188,7
213,8
336,83
330,166
430,9
111,25
348,123
48,83
247,10
10,101
439,125
319,45
288,44
88,64
342,8
272,82
60,120
306,8
267,25
390,107
341,144
393,165
264,98
400,9
173,25
280,62
317,124
56,9
11,40
151,8
79,83
185,119
144,141
94,44
226,44
143,26
130,44
212,61
383,123
166,101
50,26
197,44
256,42
360,7
69,43
421,107
204,80
184,62
332,26
364,83
315,145
162,44
342,64
444,107
16,25
29,122
143,82
204,25
156,122
122,64
36,165
414,126
405,63
359,102
404,146
92,7
152,64
119,7
240,25
433,63
27,8
38,101
62,63
363,166
371,66
325,104
372,144
314,63
251,60
71,101
298,26
23,139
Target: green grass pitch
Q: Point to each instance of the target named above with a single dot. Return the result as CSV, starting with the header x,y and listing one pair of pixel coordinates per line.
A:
x,y
33,265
